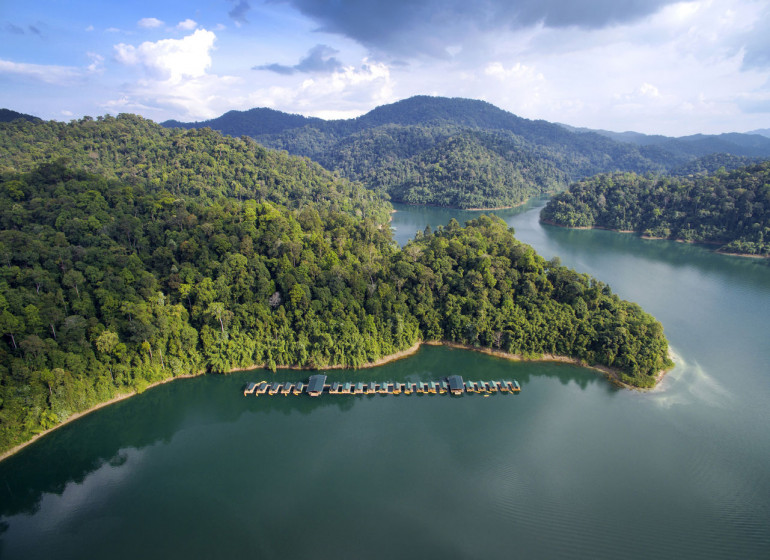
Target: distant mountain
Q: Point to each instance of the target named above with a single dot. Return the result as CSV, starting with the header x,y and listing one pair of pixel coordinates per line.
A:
x,y
752,144
706,165
628,136
7,115
761,132
467,153
748,145
244,123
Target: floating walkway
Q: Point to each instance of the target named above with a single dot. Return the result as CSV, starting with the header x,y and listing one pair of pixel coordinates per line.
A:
x,y
316,386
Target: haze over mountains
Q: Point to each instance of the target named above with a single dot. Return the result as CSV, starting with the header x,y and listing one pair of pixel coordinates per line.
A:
x,y
468,153
750,144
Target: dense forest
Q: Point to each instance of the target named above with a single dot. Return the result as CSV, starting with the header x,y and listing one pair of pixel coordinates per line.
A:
x,y
712,163
462,170
730,209
183,162
108,284
467,153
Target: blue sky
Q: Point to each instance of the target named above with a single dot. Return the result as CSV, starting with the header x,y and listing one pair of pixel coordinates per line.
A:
x,y
654,66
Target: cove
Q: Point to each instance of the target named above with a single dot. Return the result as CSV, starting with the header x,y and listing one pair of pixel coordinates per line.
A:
x,y
571,467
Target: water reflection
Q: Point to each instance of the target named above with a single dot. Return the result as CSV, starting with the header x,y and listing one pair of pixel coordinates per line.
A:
x,y
409,219
76,451
107,438
195,469
672,253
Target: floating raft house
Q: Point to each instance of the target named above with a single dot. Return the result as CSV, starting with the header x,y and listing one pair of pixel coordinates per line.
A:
x,y
316,386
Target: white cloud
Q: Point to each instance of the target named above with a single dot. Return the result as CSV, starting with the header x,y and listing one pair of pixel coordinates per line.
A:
x,y
97,61
171,60
174,78
518,72
644,92
347,93
149,23
679,71
176,81
47,73
187,25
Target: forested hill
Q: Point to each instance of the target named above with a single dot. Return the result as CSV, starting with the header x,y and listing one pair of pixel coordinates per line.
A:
x,y
183,162
7,115
707,165
731,209
243,123
498,158
108,285
468,153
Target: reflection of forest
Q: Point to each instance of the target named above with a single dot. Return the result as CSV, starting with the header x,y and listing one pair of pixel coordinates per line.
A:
x,y
71,453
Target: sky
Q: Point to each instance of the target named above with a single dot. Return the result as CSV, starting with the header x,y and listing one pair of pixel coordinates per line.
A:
x,y
652,66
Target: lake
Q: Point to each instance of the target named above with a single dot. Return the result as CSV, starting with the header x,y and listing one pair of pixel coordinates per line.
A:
x,y
569,468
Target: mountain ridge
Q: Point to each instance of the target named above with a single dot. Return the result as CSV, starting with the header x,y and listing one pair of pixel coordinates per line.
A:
x,y
747,144
9,115
393,149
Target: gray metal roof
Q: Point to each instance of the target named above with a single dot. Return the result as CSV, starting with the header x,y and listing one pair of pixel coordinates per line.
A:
x,y
316,383
455,383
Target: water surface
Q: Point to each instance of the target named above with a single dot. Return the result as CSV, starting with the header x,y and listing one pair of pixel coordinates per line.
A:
x,y
569,468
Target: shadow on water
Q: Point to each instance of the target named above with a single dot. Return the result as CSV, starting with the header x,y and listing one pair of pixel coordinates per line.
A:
x,y
71,453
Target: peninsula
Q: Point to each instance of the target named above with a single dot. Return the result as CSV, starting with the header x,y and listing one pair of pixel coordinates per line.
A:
x,y
131,254
727,210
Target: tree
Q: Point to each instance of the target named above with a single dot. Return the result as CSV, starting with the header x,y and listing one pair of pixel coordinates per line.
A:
x,y
10,326
217,309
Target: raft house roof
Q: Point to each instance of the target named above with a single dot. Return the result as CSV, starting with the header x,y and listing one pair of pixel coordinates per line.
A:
x,y
315,384
455,383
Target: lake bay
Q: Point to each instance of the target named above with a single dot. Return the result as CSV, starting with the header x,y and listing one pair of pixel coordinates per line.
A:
x,y
571,467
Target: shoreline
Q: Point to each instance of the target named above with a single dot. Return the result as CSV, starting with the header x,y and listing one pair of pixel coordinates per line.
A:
x,y
123,396
610,373
491,209
75,416
642,236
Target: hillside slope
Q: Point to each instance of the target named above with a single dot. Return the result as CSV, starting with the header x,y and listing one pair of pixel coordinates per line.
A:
x,y
8,115
184,162
731,210
394,148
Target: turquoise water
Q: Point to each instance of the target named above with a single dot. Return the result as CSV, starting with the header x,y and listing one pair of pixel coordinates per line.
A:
x,y
569,468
